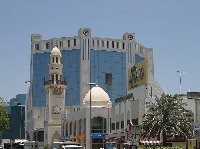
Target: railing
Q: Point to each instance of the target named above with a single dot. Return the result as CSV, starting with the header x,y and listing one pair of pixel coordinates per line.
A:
x,y
58,82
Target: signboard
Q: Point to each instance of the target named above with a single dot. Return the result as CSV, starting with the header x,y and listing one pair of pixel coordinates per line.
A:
x,y
191,143
98,135
124,98
64,138
138,74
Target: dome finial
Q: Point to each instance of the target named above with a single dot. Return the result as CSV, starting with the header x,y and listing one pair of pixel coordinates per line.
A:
x,y
97,83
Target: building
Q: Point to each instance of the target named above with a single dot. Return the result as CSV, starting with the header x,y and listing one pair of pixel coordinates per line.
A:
x,y
16,112
120,66
18,100
86,59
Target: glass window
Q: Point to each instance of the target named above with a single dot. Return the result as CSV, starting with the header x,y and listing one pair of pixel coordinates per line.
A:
x,y
79,126
74,127
108,78
61,43
37,47
113,126
56,59
117,125
107,44
117,45
113,44
70,128
98,125
122,124
102,42
74,42
47,45
68,43
123,46
93,43
66,132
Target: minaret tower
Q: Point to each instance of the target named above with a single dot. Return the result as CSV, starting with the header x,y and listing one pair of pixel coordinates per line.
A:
x,y
55,88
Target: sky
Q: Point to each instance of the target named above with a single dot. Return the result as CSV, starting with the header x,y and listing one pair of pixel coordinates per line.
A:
x,y
170,27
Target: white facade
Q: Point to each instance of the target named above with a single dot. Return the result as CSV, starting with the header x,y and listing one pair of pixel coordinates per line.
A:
x,y
76,119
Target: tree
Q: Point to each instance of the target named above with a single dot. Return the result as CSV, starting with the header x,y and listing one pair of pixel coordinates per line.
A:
x,y
4,120
167,115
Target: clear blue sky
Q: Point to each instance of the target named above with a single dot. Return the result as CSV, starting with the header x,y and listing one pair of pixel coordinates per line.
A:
x,y
170,27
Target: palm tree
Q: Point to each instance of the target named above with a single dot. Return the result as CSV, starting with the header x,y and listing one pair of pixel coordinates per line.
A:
x,y
167,115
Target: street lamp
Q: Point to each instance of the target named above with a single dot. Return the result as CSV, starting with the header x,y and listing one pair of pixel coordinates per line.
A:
x,y
180,74
91,113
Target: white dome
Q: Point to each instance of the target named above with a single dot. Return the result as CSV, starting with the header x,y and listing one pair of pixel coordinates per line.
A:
x,y
55,51
99,98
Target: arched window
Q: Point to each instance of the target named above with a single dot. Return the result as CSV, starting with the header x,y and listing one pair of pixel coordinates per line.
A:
x,y
56,59
117,121
122,120
99,125
52,59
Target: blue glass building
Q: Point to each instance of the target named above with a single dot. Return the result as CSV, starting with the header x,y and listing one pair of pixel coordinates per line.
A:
x,y
85,59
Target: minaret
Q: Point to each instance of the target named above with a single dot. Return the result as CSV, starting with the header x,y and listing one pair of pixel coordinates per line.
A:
x,y
55,88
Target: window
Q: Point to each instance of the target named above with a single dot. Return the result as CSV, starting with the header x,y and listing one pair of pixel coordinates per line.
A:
x,y
113,126
75,127
113,44
56,59
97,43
61,43
123,46
67,129
107,44
68,43
117,125
93,43
70,128
108,78
74,42
79,126
53,59
117,45
47,45
122,124
102,42
98,125
37,47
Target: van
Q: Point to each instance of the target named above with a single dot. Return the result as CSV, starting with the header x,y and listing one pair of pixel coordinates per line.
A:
x,y
65,145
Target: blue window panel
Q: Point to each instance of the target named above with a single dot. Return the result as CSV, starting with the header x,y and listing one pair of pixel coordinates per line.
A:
x,y
138,58
40,70
103,62
71,71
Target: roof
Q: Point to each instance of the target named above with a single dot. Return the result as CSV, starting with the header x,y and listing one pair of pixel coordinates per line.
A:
x,y
55,51
99,97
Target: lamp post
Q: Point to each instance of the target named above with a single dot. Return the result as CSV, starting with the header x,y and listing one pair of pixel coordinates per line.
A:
x,y
91,113
180,75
